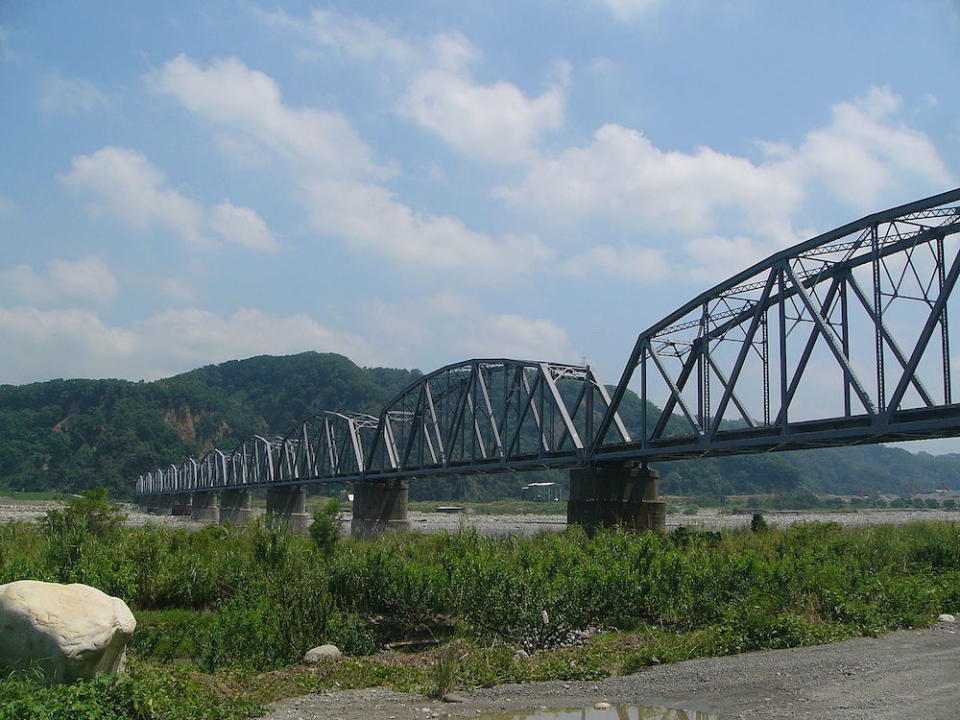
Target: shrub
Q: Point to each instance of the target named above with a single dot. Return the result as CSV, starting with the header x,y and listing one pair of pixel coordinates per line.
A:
x,y
325,529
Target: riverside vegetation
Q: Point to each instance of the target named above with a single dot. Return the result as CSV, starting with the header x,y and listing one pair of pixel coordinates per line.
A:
x,y
225,614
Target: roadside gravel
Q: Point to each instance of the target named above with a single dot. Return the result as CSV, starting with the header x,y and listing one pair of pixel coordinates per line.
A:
x,y
906,674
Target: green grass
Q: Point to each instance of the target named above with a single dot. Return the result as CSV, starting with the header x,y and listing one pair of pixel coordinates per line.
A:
x,y
225,614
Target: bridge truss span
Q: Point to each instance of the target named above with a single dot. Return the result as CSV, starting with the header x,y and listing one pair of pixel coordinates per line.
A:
x,y
491,415
839,340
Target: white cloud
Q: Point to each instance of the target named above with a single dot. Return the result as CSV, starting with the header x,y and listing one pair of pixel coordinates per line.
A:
x,y
242,226
370,218
412,329
183,339
70,95
38,344
247,103
624,177
356,38
639,264
863,156
866,153
714,258
628,10
88,280
495,122
123,184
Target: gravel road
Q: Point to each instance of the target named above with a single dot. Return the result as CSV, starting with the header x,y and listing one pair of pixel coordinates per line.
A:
x,y
907,674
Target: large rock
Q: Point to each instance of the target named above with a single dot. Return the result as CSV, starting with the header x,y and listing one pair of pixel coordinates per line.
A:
x,y
322,654
67,631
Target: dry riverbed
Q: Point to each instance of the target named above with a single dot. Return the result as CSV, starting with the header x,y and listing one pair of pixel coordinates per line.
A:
x,y
705,519
906,674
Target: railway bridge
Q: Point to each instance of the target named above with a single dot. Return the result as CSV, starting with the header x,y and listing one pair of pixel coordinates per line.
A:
x,y
843,339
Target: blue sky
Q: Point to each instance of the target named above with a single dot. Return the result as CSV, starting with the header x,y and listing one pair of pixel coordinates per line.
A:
x,y
411,184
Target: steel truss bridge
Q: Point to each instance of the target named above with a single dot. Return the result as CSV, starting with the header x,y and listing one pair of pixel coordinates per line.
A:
x,y
843,339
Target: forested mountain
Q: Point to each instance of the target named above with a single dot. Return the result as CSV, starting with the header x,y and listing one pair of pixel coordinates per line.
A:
x,y
78,434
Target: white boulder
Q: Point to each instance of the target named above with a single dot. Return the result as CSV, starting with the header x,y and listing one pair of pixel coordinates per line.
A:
x,y
67,631
947,618
322,654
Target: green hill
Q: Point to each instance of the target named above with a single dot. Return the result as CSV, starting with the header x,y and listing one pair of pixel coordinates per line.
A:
x,y
77,434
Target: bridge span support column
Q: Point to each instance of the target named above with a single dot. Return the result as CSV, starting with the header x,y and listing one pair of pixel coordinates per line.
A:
x,y
379,507
158,504
616,495
289,505
205,507
235,506
182,504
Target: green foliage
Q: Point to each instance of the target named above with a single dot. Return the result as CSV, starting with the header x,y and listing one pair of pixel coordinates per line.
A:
x,y
256,597
144,694
758,523
325,529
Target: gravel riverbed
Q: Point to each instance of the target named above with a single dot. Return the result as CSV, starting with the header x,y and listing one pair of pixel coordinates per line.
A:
x,y
906,674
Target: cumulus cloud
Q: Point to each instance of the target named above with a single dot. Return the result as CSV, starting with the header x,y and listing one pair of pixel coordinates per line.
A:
x,y
39,344
464,328
355,38
627,262
864,155
495,122
628,10
369,217
84,281
70,96
121,183
714,258
242,226
247,104
187,338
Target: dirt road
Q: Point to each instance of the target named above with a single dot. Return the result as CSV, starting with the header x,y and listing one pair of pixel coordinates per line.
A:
x,y
908,674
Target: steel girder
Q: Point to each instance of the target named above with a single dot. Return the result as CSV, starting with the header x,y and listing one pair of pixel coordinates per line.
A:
x,y
490,415
843,339
857,317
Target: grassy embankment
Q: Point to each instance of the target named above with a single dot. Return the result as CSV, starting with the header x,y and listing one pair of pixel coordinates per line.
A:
x,y
226,613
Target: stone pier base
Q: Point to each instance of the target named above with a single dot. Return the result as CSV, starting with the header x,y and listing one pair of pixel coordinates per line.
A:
x,y
616,495
235,506
182,504
205,507
379,507
289,505
158,504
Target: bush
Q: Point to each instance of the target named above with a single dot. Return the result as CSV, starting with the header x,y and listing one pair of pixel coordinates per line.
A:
x,y
325,529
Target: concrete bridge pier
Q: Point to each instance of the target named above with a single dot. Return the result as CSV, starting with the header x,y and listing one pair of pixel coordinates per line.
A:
x,y
182,504
235,506
289,505
379,507
205,507
616,495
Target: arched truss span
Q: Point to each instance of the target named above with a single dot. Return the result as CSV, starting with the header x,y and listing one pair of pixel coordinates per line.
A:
x,y
491,415
843,339
839,340
327,446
